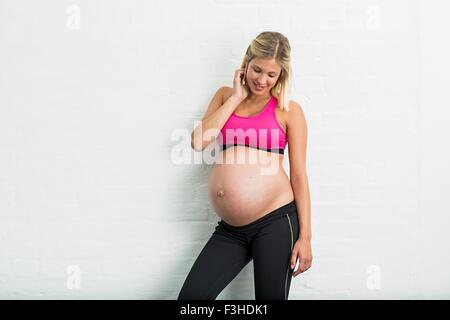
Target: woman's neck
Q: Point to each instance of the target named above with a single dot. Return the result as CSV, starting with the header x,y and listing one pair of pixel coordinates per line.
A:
x,y
254,99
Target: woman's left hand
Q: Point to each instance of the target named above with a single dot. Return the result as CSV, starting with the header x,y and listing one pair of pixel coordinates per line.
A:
x,y
302,250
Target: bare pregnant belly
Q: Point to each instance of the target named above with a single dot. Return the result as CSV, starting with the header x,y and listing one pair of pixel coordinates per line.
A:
x,y
246,190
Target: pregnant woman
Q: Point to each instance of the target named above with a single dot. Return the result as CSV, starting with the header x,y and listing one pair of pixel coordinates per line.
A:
x,y
265,216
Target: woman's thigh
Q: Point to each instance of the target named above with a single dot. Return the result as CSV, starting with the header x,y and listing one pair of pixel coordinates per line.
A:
x,y
272,248
220,260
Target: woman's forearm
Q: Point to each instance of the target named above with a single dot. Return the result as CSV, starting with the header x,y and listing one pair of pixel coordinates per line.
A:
x,y
213,122
303,201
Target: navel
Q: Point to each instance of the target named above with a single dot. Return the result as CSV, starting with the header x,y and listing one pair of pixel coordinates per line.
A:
x,y
220,193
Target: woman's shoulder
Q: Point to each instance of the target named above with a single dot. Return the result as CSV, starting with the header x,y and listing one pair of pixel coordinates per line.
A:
x,y
294,105
226,92
295,115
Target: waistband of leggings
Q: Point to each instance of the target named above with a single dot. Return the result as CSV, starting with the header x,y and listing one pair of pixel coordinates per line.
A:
x,y
277,213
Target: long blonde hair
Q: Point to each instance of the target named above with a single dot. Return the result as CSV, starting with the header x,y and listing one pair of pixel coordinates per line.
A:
x,y
274,45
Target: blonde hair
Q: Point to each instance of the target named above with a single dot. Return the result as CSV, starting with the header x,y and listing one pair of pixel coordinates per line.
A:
x,y
274,45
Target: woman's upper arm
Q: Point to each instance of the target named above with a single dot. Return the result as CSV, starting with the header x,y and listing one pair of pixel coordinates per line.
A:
x,y
297,133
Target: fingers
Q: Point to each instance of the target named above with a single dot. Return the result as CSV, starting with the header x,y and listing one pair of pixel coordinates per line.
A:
x,y
238,74
293,260
304,265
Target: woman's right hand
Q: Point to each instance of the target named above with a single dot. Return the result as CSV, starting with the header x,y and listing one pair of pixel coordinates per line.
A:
x,y
239,90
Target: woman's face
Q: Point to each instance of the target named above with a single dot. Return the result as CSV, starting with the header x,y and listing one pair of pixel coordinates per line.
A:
x,y
263,73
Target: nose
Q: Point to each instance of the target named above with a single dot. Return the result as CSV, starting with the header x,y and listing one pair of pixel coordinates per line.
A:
x,y
261,80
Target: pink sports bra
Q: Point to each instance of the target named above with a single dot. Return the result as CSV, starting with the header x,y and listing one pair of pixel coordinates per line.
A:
x,y
261,131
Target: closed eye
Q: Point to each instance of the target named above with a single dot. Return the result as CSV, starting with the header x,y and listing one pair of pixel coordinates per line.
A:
x,y
257,71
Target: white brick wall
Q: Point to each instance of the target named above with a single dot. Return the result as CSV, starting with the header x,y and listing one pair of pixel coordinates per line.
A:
x,y
92,91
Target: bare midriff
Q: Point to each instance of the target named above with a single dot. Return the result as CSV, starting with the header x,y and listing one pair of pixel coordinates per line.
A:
x,y
247,183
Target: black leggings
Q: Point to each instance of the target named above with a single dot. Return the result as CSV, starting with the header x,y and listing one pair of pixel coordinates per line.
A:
x,y
268,241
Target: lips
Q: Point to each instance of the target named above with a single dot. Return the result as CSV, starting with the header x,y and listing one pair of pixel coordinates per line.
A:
x,y
257,86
